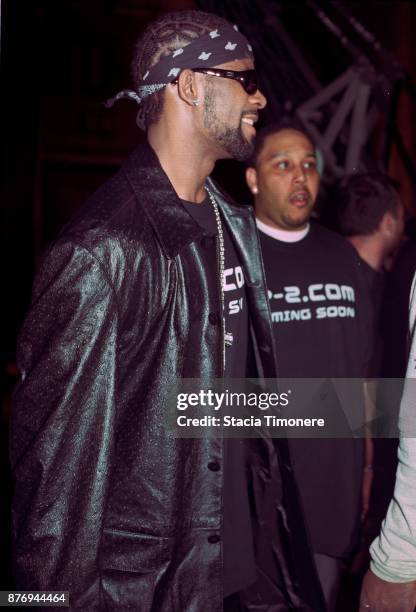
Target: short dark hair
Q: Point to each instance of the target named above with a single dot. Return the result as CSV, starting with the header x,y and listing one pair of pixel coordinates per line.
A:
x,y
362,200
287,123
162,36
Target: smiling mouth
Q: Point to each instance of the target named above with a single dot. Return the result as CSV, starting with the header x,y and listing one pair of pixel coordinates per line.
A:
x,y
249,119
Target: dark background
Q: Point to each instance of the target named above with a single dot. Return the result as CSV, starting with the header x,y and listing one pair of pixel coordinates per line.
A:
x,y
61,59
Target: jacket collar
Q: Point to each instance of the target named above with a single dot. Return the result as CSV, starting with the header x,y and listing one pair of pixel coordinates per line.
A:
x,y
241,226
174,226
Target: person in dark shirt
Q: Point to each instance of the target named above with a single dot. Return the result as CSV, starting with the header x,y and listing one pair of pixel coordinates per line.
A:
x,y
370,214
321,316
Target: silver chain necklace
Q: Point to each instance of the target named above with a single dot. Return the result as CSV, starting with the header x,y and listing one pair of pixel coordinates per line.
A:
x,y
228,336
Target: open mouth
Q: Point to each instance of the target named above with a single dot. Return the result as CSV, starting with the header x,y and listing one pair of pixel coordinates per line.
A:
x,y
300,198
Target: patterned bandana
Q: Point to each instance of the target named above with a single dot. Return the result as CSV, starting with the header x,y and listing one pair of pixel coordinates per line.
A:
x,y
213,49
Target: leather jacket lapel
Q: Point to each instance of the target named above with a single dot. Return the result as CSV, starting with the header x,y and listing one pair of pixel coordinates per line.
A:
x,y
173,226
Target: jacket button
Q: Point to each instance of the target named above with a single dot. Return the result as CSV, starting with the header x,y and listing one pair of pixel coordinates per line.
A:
x,y
214,466
214,538
213,318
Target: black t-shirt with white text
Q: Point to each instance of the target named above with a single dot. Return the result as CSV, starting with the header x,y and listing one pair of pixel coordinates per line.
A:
x,y
319,301
322,321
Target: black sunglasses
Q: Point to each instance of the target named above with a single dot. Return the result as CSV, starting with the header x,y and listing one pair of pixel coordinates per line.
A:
x,y
247,78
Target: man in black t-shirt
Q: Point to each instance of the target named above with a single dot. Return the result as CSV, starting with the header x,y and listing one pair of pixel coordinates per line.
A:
x,y
321,318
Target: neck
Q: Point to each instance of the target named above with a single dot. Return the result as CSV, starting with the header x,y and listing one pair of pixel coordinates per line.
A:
x,y
281,234
182,156
369,249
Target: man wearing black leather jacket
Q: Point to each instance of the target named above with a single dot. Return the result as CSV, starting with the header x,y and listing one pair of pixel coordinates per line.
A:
x,y
108,504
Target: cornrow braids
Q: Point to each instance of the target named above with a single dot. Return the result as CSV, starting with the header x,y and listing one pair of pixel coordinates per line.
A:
x,y
161,37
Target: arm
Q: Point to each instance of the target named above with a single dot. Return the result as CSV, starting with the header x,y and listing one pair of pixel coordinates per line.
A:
x,y
391,582
394,551
62,425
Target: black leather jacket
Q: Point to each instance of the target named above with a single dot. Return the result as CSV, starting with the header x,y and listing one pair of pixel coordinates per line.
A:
x,y
108,505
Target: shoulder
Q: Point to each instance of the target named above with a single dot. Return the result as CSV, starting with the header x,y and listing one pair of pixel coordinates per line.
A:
x,y
329,237
117,208
107,239
337,244
342,258
111,225
113,210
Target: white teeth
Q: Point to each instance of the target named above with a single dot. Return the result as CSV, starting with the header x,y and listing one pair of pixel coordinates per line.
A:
x,y
299,197
247,120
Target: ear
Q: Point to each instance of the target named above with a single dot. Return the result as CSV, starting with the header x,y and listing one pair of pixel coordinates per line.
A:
x,y
251,178
387,223
188,87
